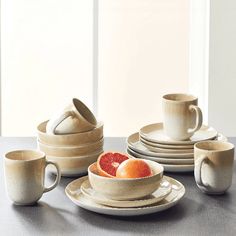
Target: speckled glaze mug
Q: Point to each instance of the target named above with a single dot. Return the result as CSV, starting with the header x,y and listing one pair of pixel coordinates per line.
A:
x,y
25,174
182,116
213,166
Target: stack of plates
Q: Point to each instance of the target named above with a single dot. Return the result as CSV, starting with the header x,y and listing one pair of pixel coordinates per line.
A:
x,y
72,152
167,195
151,143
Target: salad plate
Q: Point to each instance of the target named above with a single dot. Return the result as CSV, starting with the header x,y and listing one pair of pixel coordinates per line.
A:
x,y
162,192
155,133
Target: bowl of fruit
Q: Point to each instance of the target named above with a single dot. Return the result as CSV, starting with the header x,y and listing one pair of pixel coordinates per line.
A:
x,y
120,177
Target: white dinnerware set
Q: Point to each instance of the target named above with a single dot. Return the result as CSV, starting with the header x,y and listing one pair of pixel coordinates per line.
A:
x,y
72,138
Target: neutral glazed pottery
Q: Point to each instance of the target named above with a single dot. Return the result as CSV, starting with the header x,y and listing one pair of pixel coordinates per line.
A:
x,y
160,160
75,118
25,174
69,139
60,151
162,192
180,168
155,133
74,194
152,147
135,144
169,146
219,137
126,189
182,116
213,166
74,166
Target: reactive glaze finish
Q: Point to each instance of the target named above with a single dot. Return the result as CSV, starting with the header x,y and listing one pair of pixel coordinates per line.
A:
x,y
61,151
74,166
74,118
25,174
126,189
213,166
182,116
66,140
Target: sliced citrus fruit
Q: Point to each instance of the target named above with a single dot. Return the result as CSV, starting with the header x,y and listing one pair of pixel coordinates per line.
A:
x,y
133,168
108,162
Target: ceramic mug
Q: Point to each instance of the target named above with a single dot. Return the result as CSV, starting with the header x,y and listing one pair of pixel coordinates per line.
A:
x,y
25,174
182,116
75,118
213,166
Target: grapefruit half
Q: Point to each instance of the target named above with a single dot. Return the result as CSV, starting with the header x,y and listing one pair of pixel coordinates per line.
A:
x,y
108,162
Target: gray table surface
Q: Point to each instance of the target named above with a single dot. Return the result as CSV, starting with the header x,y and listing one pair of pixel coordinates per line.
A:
x,y
55,214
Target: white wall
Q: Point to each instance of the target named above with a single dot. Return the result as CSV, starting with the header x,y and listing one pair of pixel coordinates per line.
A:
x,y
46,59
143,54
222,66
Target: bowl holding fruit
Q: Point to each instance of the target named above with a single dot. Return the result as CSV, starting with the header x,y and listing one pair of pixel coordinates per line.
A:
x,y
119,177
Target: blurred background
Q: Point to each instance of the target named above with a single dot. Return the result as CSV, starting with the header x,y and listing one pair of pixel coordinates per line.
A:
x,y
117,56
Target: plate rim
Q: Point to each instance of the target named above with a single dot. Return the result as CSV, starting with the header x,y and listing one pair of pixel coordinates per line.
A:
x,y
158,158
155,154
172,141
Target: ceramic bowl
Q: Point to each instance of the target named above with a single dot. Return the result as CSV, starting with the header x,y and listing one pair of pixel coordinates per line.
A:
x,y
69,139
60,151
73,166
126,189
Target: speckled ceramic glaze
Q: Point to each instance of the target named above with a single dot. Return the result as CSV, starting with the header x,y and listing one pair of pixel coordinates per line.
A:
x,y
126,189
182,116
67,140
213,166
25,174
74,118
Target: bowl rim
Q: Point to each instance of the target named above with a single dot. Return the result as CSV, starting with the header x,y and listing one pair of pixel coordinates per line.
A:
x,y
100,141
129,179
99,125
75,157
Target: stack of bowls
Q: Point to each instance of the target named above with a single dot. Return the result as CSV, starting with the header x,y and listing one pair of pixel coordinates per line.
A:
x,y
72,152
72,138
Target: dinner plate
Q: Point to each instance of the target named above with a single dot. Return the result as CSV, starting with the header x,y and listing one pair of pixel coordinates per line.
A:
x,y
135,144
155,133
168,148
152,147
74,193
219,137
157,196
160,160
178,168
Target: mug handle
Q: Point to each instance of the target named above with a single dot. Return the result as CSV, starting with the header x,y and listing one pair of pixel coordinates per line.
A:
x,y
198,118
198,170
57,180
52,124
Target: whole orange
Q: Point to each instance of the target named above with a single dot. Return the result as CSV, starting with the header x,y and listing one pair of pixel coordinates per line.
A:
x,y
133,168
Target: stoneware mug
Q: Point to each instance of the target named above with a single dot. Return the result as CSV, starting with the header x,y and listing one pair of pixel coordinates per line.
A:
x,y
75,118
182,116
25,174
213,166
